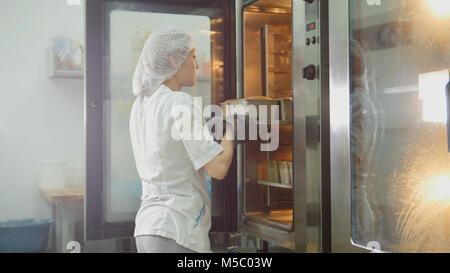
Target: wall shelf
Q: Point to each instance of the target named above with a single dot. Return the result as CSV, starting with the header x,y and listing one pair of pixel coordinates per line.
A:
x,y
65,74
55,73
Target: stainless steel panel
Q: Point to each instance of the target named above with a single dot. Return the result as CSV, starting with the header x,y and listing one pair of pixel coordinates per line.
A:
x,y
311,100
340,127
299,144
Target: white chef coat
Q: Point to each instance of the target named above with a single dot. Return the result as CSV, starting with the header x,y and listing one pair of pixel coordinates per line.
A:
x,y
175,202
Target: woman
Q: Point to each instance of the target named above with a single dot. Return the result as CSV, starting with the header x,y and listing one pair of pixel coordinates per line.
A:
x,y
175,212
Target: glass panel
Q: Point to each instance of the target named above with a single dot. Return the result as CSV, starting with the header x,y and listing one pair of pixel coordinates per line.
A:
x,y
400,160
128,32
267,72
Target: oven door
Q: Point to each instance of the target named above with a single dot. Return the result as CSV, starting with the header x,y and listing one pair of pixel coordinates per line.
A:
x,y
115,34
390,165
282,193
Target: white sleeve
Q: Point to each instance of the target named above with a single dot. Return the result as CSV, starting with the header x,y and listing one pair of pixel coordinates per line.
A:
x,y
194,132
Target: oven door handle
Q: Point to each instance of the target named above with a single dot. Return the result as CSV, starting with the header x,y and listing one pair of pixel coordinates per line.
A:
x,y
447,95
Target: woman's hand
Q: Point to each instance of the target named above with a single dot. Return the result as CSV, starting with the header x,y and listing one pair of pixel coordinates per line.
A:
x,y
219,166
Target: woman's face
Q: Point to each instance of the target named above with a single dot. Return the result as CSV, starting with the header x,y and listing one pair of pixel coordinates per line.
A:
x,y
186,75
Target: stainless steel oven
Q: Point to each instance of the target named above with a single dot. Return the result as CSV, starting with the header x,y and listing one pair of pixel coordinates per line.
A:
x,y
369,139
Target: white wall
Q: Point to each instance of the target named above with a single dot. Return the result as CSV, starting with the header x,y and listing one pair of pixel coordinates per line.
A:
x,y
39,118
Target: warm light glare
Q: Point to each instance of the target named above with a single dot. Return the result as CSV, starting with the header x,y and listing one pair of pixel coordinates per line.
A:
x,y
438,189
440,7
432,93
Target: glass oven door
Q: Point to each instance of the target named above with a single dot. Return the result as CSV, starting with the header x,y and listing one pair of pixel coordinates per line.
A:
x,y
267,67
115,34
389,143
280,188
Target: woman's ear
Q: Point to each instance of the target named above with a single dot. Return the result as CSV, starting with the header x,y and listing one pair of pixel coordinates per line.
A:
x,y
173,61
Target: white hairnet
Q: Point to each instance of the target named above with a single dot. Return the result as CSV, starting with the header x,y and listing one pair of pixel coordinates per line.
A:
x,y
162,56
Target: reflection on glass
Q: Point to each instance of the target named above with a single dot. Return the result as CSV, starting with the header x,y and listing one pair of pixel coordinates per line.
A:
x,y
366,134
400,162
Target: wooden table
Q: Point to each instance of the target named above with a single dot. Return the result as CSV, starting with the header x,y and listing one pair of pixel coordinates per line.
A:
x,y
63,196
64,199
